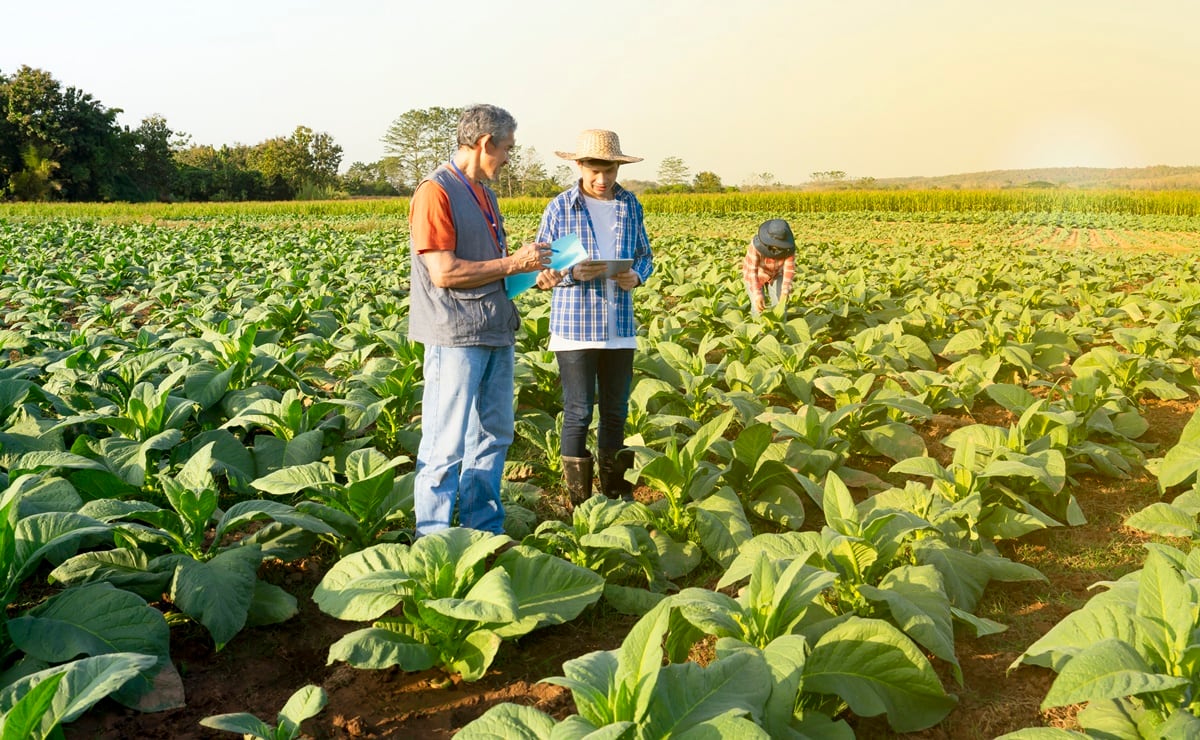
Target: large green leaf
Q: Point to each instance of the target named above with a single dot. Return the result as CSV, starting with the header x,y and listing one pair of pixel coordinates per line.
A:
x,y
295,478
34,461
780,504
895,440
379,648
244,512
920,607
1164,519
217,593
676,558
490,601
730,724
1166,606
785,546
365,584
243,723
876,669
548,590
229,456
307,701
127,569
206,385
1180,464
509,721
85,682
50,493
52,534
23,721
1108,615
270,605
841,515
639,659
474,654
593,679
712,612
688,694
722,524
1109,669
95,619
965,574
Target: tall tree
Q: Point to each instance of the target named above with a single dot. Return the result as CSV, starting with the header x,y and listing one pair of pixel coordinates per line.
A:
x,y
207,173
10,150
366,179
417,142
672,171
153,167
564,176
305,161
67,126
761,180
707,182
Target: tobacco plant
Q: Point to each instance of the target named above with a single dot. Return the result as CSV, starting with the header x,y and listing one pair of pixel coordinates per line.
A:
x,y
307,701
609,538
1131,652
188,551
629,692
456,598
693,512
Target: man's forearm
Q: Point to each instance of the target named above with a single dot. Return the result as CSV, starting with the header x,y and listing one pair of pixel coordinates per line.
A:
x,y
448,271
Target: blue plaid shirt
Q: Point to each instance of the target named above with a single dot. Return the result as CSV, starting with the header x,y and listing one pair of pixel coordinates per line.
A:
x,y
578,310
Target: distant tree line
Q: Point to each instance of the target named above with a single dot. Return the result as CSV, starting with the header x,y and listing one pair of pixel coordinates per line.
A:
x,y
60,143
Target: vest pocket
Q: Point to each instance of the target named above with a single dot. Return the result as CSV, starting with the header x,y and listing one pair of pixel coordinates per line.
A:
x,y
483,311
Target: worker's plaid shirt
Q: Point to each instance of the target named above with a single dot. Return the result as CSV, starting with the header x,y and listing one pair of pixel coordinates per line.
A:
x,y
578,310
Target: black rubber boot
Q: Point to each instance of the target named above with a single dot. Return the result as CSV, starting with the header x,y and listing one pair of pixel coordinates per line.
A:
x,y
577,471
613,464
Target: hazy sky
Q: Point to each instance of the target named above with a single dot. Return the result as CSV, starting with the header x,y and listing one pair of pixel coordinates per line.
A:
x,y
881,88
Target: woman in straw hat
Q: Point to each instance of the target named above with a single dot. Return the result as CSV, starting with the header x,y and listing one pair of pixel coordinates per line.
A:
x,y
592,329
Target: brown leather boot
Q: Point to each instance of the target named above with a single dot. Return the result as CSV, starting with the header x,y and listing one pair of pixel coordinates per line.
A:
x,y
613,464
577,472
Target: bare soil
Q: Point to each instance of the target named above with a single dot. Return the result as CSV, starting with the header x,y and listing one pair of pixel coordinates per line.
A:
x,y
261,667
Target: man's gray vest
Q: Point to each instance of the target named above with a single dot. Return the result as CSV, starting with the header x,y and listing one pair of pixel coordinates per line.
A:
x,y
462,317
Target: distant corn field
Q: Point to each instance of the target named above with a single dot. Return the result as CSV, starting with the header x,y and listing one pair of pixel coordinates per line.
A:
x,y
1139,203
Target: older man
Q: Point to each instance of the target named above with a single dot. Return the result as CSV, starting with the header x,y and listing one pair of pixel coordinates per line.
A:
x,y
460,311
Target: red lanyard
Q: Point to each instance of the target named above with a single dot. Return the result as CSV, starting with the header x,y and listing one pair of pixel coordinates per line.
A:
x,y
486,210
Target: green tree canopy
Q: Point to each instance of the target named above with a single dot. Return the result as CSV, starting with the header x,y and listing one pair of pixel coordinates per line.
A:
x,y
707,182
417,142
64,126
303,161
672,171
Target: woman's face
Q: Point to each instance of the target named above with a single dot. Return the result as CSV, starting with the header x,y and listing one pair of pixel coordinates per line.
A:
x,y
597,178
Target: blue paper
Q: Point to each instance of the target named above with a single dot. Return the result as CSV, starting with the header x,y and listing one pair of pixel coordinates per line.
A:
x,y
567,251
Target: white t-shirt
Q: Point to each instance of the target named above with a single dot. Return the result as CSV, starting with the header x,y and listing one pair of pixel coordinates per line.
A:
x,y
603,214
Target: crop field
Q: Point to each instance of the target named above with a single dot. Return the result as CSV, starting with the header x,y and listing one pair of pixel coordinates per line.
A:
x,y
950,493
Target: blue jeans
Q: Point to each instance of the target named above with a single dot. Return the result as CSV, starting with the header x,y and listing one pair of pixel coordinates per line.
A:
x,y
466,428
772,292
582,372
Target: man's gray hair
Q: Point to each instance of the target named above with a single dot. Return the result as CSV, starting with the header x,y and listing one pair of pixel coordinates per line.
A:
x,y
478,121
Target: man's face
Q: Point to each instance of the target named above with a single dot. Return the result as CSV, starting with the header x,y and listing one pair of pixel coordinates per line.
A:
x,y
597,178
495,155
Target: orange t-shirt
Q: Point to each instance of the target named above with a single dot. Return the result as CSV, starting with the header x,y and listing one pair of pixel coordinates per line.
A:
x,y
429,220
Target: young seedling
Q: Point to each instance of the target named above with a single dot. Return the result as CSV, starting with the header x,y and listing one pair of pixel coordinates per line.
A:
x,y
305,703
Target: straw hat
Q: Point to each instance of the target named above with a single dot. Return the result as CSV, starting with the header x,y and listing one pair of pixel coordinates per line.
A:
x,y
596,143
